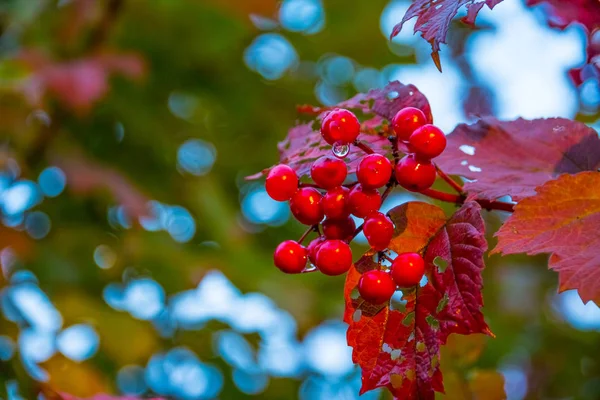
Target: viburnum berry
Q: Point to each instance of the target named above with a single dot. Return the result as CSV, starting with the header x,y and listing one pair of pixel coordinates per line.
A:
x,y
306,206
281,183
374,171
335,203
328,172
290,257
406,121
313,248
408,269
376,286
378,230
427,142
334,257
342,229
340,126
414,174
363,201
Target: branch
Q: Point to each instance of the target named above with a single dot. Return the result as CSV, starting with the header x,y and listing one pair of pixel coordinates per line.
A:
x,y
459,200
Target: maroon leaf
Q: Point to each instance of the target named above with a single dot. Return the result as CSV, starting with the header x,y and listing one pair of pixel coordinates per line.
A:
x,y
304,143
513,158
434,18
397,345
458,250
562,219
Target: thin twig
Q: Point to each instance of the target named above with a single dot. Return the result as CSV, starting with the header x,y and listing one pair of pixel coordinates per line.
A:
x,y
455,185
310,229
364,147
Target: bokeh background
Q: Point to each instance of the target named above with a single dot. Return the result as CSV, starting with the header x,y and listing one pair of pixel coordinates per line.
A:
x,y
137,260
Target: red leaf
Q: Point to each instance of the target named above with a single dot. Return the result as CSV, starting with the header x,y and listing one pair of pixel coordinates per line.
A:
x,y
66,396
85,176
397,346
78,84
513,158
434,18
561,13
562,219
305,144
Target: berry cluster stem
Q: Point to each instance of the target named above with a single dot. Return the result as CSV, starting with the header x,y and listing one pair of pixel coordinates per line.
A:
x,y
455,185
460,199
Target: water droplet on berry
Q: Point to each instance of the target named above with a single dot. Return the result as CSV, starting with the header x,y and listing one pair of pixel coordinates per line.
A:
x,y
310,267
340,150
392,95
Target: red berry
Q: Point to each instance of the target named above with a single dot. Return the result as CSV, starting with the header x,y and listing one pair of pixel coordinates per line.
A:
x,y
376,286
378,230
406,121
334,257
340,126
408,269
306,206
281,183
290,257
328,172
374,171
313,248
362,201
415,175
427,142
335,203
342,229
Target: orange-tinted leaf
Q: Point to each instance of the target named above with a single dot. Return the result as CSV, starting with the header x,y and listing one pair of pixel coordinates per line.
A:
x,y
513,158
562,219
397,345
487,385
304,143
434,18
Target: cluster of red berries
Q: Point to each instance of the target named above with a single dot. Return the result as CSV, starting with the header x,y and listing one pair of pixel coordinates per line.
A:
x,y
331,204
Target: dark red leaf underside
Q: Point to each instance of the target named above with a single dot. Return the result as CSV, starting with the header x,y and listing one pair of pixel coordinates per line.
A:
x,y
303,144
513,158
561,13
397,345
563,218
434,18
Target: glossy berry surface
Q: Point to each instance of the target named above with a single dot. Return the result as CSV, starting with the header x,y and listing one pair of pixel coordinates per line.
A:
x,y
378,230
313,248
306,206
342,229
340,126
406,121
328,172
376,286
290,257
281,183
374,171
414,174
427,142
408,269
334,257
362,201
335,203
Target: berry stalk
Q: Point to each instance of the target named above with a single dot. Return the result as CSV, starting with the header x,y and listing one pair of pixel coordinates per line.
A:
x,y
458,200
455,185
